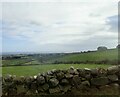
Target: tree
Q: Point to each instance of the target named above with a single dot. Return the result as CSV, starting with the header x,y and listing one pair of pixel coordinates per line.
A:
x,y
118,46
102,48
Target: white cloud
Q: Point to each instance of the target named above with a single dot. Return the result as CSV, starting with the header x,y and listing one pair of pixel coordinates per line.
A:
x,y
59,23
58,1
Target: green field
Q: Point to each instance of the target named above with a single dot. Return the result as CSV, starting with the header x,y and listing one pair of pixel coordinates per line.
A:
x,y
33,70
110,55
34,62
15,62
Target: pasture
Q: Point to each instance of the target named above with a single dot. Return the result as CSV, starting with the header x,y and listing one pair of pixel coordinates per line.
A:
x,y
109,56
42,63
33,70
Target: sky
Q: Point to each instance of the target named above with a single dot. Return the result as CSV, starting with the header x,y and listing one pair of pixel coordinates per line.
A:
x,y
58,26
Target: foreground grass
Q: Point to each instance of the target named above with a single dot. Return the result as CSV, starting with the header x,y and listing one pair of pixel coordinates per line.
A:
x,y
33,70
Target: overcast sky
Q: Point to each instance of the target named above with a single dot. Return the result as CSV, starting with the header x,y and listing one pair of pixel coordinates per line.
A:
x,y
58,26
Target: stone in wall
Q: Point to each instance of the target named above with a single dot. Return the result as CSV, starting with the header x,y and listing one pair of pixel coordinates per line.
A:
x,y
53,82
99,81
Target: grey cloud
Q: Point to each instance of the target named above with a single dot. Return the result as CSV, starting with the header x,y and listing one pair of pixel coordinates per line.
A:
x,y
79,34
20,27
60,27
113,22
76,45
35,23
94,15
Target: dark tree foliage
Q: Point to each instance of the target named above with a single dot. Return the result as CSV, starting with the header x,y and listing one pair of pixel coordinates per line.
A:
x,y
102,48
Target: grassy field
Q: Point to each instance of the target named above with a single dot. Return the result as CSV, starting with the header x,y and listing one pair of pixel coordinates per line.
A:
x,y
35,67
33,70
110,55
15,62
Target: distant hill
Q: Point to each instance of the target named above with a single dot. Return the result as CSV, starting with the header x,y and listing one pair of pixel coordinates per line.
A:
x,y
109,56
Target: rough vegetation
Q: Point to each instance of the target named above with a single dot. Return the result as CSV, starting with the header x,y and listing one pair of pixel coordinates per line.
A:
x,y
72,81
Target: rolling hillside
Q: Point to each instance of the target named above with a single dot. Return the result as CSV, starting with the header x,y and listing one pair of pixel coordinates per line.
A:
x,y
109,56
92,59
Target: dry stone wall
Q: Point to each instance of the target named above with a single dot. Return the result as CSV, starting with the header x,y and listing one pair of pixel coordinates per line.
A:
x,y
86,81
